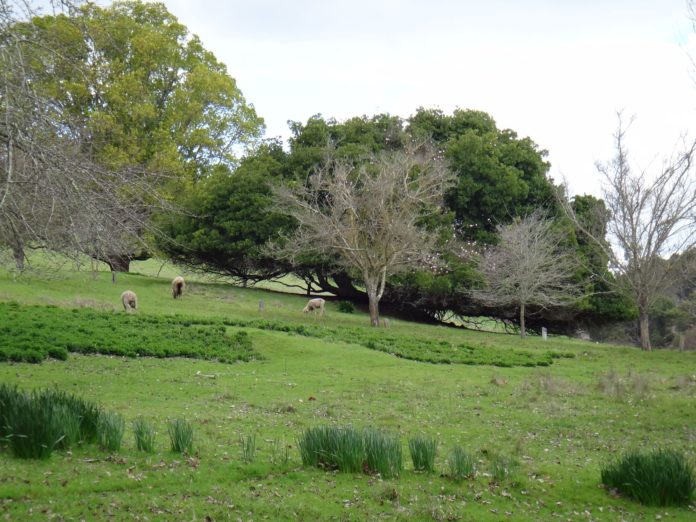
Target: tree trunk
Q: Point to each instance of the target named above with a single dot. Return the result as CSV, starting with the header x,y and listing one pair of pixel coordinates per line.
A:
x,y
644,329
374,309
118,263
18,254
523,331
373,302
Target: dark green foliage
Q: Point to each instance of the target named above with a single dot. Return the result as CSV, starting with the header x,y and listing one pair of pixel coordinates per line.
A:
x,y
144,434
231,220
423,450
382,453
500,175
332,448
461,464
181,436
346,307
30,333
110,429
36,423
656,478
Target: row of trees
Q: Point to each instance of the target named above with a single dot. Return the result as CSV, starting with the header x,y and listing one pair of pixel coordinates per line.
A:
x,y
121,134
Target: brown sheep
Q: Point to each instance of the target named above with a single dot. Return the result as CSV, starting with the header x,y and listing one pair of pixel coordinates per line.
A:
x,y
178,286
315,304
129,300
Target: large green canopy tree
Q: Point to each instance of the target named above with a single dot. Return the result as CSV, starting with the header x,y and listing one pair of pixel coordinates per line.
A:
x,y
139,89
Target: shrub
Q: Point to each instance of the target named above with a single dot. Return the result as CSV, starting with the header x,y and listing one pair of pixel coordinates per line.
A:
x,y
332,448
346,307
382,453
110,429
423,450
657,478
181,436
461,464
144,434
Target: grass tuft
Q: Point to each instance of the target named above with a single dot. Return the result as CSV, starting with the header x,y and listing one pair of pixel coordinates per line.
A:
x,y
382,453
461,464
144,434
110,430
181,436
423,450
502,467
332,448
248,448
657,478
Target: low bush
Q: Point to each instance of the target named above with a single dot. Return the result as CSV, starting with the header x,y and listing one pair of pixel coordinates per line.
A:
x,y
461,464
144,434
33,333
657,478
423,450
346,307
181,436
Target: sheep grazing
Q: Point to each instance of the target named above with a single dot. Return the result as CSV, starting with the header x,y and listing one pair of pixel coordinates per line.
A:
x,y
178,286
315,304
129,300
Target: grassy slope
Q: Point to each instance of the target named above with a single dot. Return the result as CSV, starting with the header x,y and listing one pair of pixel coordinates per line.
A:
x,y
557,421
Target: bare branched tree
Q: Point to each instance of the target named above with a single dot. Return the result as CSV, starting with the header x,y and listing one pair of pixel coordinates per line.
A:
x,y
650,219
369,215
528,267
52,195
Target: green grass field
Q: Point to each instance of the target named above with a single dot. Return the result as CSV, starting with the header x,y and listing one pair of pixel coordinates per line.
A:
x,y
559,422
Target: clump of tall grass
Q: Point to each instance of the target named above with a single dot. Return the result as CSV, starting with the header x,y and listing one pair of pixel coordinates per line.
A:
x,y
423,450
382,453
36,423
181,436
32,429
502,467
68,421
144,434
657,478
461,464
330,447
248,448
110,429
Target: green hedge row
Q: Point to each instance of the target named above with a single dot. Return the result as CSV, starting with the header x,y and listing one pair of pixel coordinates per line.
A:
x,y
34,333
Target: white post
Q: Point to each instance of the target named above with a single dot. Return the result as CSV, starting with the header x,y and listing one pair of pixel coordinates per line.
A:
x,y
543,333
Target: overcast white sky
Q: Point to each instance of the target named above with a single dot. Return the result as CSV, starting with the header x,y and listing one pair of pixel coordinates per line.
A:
x,y
554,70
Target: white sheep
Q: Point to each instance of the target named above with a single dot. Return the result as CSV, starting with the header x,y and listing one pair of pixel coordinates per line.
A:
x,y
314,304
129,300
178,286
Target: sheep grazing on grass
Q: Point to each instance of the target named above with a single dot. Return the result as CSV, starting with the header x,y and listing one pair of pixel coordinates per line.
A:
x,y
178,286
315,304
129,300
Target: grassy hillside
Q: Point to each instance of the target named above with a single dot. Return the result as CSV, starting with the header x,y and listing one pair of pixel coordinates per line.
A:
x,y
558,423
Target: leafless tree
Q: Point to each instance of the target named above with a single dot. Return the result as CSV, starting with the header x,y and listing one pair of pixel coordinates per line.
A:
x,y
52,195
528,267
650,219
369,215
